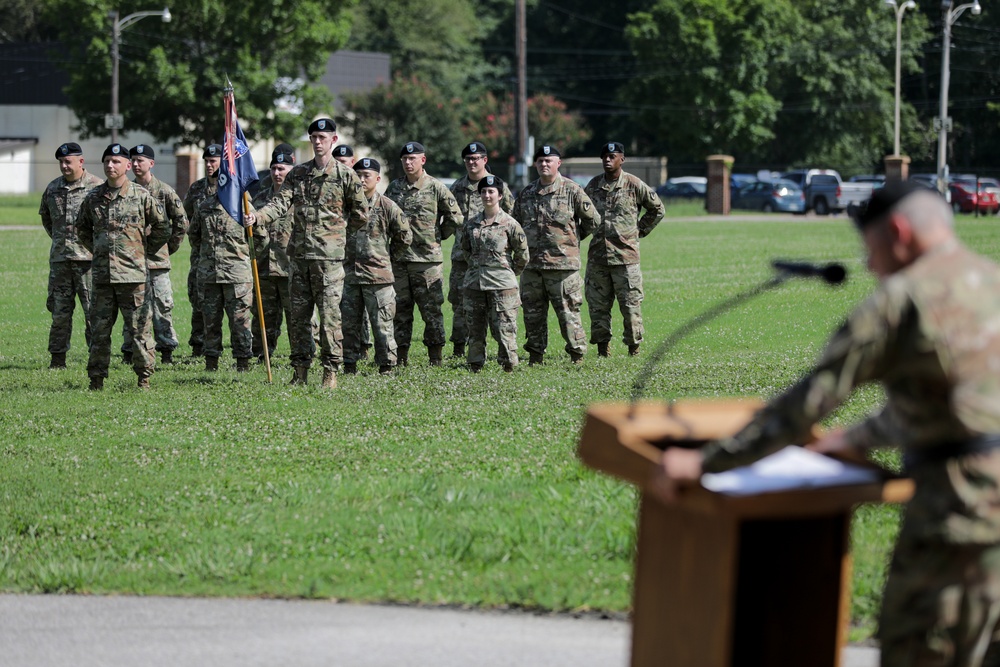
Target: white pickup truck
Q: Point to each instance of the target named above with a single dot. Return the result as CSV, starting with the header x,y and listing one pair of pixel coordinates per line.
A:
x,y
825,191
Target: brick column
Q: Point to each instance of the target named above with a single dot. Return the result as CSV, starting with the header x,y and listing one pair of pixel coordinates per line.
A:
x,y
187,172
897,168
717,196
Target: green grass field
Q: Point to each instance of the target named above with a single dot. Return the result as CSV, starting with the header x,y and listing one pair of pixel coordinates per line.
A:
x,y
433,486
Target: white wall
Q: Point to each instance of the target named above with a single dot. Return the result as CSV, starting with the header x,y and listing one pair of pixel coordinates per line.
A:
x,y
15,178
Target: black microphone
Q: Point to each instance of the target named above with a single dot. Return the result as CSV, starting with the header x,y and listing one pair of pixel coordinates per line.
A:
x,y
832,274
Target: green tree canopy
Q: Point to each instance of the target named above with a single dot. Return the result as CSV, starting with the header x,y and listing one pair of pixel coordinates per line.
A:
x,y
491,121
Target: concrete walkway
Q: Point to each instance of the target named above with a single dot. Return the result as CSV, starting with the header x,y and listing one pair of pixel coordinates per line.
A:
x,y
90,631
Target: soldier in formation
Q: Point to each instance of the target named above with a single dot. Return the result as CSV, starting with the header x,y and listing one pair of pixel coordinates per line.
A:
x,y
497,252
69,260
199,190
122,225
613,258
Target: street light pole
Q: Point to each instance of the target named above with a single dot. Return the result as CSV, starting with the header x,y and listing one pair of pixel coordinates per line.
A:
x,y
900,10
943,121
114,121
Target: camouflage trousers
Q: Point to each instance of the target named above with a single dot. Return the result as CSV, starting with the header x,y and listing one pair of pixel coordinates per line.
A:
x,y
604,285
160,294
496,309
420,283
456,297
130,299
366,325
316,284
68,281
377,299
233,300
197,338
277,306
564,290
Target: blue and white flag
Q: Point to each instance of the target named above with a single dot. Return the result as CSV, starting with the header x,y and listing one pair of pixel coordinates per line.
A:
x,y
237,172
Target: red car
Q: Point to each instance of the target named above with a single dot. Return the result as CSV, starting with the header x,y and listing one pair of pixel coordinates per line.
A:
x,y
965,198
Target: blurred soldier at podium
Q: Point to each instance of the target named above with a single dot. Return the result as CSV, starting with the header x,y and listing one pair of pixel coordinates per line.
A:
x,y
931,335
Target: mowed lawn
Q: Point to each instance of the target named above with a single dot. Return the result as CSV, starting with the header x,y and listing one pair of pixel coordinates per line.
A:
x,y
431,486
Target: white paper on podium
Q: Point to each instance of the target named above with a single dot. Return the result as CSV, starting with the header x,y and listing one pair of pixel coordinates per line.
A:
x,y
789,468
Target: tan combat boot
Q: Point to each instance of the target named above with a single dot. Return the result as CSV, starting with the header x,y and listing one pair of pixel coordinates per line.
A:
x,y
300,376
58,360
604,349
143,382
96,383
435,353
329,378
242,365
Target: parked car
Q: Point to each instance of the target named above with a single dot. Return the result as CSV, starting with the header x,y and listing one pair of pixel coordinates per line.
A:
x,y
683,187
990,185
965,198
737,181
826,193
779,195
867,178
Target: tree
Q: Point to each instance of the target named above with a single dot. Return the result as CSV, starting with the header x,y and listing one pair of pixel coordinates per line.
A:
x,y
492,121
172,74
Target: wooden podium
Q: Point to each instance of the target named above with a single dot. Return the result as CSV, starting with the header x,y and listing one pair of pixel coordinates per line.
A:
x,y
726,581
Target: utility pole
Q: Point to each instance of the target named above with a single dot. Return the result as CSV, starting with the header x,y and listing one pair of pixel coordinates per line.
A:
x,y
521,96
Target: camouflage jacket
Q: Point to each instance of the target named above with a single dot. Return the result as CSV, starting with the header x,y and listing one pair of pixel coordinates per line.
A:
x,y
122,228
221,242
555,218
372,249
497,252
432,212
59,209
273,263
616,239
930,334
320,201
470,203
178,222
203,187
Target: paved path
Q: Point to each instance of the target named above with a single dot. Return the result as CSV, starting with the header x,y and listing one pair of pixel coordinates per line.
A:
x,y
118,631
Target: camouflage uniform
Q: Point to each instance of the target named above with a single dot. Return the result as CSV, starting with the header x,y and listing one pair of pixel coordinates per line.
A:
x,y
121,227
555,218
929,334
225,281
469,202
321,201
433,215
613,257
368,282
159,291
272,269
69,261
200,189
497,252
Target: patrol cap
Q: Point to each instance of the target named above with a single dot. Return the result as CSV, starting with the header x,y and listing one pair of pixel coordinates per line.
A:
x,y
368,164
212,150
116,150
612,147
475,148
142,150
884,199
490,181
69,148
343,150
412,148
547,150
322,125
283,154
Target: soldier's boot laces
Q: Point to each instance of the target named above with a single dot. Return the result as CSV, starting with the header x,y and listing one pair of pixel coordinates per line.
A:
x,y
459,350
96,383
58,360
329,378
633,350
143,382
604,349
300,375
535,358
350,369
436,354
242,365
127,358
211,364
576,358
167,356
403,355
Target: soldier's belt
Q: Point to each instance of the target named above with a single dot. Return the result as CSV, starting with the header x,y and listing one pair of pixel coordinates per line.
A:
x,y
913,458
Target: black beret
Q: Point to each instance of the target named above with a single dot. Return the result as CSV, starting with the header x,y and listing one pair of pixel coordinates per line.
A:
x,y
115,149
343,150
612,147
212,150
142,150
884,199
490,181
412,148
322,125
69,148
283,154
367,164
283,148
545,150
475,148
